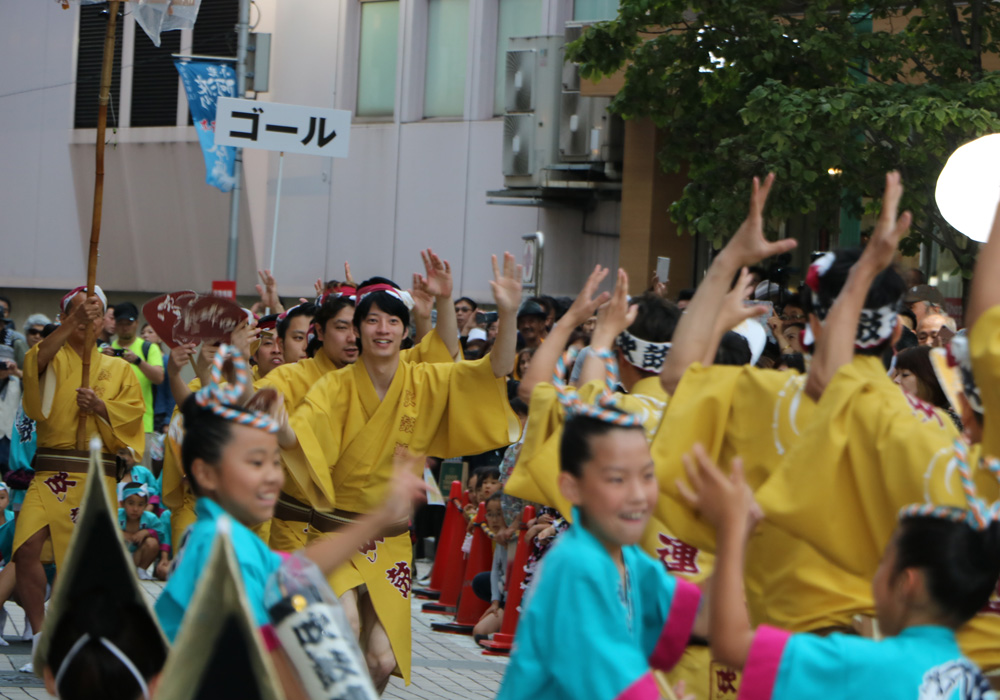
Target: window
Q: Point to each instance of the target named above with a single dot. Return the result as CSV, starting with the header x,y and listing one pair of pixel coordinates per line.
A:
x,y
447,51
517,18
90,56
155,80
594,10
377,59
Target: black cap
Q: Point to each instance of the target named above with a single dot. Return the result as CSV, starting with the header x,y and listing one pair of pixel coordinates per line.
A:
x,y
531,308
126,311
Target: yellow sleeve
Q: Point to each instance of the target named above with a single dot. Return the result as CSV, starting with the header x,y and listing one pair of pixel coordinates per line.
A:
x,y
32,385
464,408
126,409
731,411
319,439
430,349
536,474
984,346
864,456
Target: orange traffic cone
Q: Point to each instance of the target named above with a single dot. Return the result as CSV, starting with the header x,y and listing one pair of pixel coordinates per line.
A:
x,y
453,572
452,529
503,640
470,606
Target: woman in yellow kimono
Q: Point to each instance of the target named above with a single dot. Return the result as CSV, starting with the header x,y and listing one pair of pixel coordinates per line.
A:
x,y
876,460
354,420
114,407
334,323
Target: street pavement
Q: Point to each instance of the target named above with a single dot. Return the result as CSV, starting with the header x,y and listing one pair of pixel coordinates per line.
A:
x,y
445,666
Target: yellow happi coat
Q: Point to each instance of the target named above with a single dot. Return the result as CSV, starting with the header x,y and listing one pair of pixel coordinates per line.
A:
x,y
347,439
294,381
536,478
868,457
177,495
53,498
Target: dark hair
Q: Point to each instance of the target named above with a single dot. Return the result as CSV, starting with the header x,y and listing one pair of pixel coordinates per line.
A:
x,y
94,672
733,350
10,307
685,294
961,566
471,303
518,406
389,304
205,437
887,289
656,320
497,496
329,310
908,312
793,360
918,361
483,473
306,309
574,448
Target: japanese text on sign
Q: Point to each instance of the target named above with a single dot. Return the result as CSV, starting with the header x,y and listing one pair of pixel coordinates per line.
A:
x,y
281,127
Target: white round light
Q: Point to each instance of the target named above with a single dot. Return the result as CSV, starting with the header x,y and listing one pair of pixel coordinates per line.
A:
x,y
968,188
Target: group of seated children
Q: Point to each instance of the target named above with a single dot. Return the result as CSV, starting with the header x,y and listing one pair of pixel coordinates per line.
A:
x,y
502,526
144,523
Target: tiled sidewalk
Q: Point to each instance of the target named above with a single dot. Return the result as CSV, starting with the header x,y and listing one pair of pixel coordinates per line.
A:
x,y
445,666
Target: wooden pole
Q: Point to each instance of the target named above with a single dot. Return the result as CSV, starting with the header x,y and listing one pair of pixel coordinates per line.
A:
x,y
107,68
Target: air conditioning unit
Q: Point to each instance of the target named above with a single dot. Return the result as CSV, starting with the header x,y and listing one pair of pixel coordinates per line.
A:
x,y
588,132
532,99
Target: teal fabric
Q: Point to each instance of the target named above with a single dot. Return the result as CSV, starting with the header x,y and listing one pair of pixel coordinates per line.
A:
x,y
576,638
256,561
920,662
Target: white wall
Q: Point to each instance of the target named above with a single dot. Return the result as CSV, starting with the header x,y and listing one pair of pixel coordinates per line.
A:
x,y
407,185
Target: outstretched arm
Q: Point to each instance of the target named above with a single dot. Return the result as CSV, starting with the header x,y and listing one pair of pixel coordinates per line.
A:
x,y
835,347
507,294
727,503
612,318
329,553
543,364
985,292
697,327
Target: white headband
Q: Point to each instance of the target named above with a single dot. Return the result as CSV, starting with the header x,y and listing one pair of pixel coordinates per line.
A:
x,y
119,654
875,326
644,354
98,292
388,289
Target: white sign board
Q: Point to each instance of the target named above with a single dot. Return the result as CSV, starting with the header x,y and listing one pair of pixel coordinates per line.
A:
x,y
279,127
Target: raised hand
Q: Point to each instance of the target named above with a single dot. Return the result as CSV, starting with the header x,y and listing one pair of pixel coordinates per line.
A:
x,y
748,246
423,301
734,309
884,242
438,279
615,316
506,286
243,335
268,291
586,303
179,357
724,501
347,274
87,313
405,488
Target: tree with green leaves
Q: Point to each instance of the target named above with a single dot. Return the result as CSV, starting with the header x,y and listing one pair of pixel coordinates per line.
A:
x,y
805,89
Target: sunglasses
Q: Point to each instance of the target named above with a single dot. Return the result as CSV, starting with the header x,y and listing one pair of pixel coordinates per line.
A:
x,y
34,331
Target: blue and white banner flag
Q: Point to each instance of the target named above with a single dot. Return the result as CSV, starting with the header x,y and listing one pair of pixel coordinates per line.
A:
x,y
205,82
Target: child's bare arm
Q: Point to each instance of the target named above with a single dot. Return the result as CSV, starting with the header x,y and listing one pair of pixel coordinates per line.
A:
x,y
727,503
329,553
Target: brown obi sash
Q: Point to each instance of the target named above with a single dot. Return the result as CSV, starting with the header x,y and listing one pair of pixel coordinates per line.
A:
x,y
331,522
292,509
74,462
